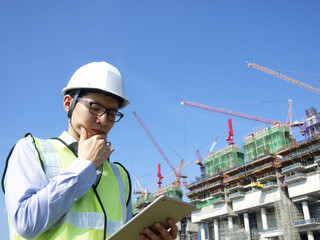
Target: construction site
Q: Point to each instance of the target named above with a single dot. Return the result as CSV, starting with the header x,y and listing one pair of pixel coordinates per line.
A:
x,y
267,188
273,195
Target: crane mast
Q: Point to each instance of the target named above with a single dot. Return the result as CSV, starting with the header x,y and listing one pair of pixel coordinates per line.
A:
x,y
160,177
199,162
230,138
178,175
284,77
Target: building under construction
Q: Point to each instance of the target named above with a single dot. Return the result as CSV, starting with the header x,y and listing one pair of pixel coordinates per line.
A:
x,y
269,190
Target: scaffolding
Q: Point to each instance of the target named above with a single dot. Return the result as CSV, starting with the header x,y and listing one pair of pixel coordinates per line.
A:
x,y
144,198
140,203
234,233
286,216
267,140
173,191
223,159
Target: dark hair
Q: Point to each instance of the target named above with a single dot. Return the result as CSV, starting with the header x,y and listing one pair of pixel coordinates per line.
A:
x,y
85,91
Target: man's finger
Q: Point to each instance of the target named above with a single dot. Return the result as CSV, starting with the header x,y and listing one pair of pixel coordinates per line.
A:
x,y
83,134
174,227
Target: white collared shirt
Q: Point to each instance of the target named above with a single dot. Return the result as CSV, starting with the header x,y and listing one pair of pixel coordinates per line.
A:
x,y
33,203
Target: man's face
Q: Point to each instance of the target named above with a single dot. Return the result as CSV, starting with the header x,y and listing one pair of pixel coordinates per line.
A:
x,y
95,125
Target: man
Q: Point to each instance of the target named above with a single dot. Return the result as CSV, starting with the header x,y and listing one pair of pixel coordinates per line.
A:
x,y
66,187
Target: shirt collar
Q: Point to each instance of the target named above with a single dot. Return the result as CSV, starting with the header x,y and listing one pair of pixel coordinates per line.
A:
x,y
67,138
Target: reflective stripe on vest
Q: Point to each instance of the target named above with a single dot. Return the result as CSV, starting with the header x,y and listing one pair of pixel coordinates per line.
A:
x,y
51,161
89,220
122,190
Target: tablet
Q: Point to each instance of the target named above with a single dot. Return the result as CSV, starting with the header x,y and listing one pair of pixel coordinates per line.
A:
x,y
158,211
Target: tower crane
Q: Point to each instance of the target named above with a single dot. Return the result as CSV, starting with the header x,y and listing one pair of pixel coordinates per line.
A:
x,y
176,172
145,191
284,77
289,122
213,144
199,162
169,175
230,138
160,177
233,113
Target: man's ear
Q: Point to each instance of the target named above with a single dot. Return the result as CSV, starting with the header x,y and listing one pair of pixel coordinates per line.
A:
x,y
67,100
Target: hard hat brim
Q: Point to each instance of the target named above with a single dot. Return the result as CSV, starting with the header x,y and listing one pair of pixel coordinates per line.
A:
x,y
124,102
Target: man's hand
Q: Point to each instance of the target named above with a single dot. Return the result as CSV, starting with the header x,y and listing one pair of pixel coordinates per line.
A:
x,y
95,149
164,233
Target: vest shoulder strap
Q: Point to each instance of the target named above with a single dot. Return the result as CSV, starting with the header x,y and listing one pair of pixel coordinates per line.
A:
x,y
129,190
9,155
5,170
75,151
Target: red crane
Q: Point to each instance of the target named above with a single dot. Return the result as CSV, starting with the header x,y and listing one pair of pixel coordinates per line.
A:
x,y
144,192
177,173
160,177
233,113
230,138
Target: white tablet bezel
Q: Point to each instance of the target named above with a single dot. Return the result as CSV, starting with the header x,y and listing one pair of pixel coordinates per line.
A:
x,y
160,210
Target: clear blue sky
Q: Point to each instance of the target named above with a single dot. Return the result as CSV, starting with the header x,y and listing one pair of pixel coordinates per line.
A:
x,y
167,52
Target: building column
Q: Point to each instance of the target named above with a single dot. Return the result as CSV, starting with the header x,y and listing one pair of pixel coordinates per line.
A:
x,y
310,235
216,229
264,218
305,210
306,214
203,231
247,224
230,222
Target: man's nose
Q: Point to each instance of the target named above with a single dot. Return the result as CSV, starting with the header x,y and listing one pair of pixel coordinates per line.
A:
x,y
103,119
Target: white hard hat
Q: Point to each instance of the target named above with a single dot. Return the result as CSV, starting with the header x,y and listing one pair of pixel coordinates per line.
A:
x,y
98,76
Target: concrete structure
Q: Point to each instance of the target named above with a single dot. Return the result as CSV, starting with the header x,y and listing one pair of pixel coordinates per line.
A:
x,y
274,196
187,229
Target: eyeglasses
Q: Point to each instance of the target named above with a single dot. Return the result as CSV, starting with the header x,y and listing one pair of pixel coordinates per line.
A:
x,y
98,110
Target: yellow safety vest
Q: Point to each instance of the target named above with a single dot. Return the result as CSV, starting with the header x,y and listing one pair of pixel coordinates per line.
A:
x,y
98,213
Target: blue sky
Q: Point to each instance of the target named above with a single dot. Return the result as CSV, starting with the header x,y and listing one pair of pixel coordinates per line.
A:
x,y
167,52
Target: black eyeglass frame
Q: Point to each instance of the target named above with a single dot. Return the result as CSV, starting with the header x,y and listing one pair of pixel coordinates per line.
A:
x,y
110,115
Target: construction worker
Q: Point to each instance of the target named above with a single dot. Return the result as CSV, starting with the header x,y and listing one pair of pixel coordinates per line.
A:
x,y
66,187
